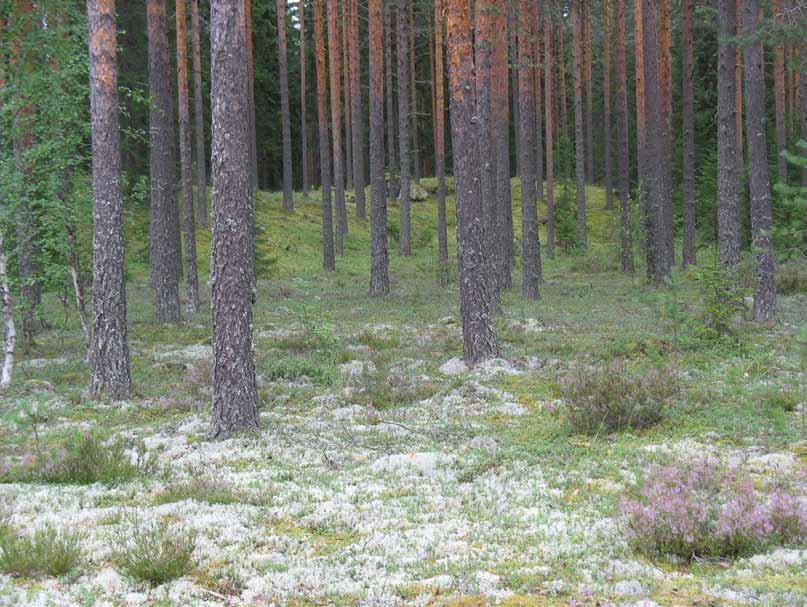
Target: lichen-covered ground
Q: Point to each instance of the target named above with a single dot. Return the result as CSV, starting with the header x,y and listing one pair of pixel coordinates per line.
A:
x,y
385,473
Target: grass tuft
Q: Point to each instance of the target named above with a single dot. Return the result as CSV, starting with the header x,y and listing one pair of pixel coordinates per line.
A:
x,y
45,552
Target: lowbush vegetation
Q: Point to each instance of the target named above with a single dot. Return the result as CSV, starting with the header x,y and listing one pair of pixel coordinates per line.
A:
x,y
46,551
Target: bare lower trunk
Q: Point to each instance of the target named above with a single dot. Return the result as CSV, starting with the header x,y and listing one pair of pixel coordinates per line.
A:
x,y
8,317
728,217
199,119
606,113
285,111
478,324
689,257
439,141
336,125
550,134
761,214
579,145
403,125
357,123
501,128
329,262
379,271
626,240
303,103
588,79
109,352
779,95
392,152
235,396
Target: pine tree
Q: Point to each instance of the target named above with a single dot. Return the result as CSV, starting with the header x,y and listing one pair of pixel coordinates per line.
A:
x,y
549,68
357,122
579,145
199,118
303,104
235,396
689,257
334,58
285,111
109,350
606,94
625,232
779,95
402,21
500,115
329,262
439,141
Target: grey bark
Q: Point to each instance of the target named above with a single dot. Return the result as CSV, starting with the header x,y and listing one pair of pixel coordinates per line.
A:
x,y
623,134
404,133
579,140
235,396
689,256
303,103
285,111
334,60
329,262
356,110
199,119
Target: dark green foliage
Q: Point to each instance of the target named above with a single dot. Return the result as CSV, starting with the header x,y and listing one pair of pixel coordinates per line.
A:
x,y
45,552
298,368
612,398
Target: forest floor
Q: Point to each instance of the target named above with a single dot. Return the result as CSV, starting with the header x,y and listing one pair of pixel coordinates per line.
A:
x,y
384,472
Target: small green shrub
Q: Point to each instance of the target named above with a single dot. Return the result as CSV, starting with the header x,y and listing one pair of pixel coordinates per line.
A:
x,y
292,369
383,390
45,552
721,299
155,553
786,399
379,342
610,399
200,489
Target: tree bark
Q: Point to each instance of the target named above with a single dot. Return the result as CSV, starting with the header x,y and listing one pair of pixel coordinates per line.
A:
x,y
761,213
626,239
562,88
253,142
334,59
303,104
356,109
665,86
164,237
379,269
689,257
530,244
738,94
346,56
588,79
413,91
658,260
549,66
285,111
728,218
109,351
329,263
235,396
392,153
402,22
779,96
501,128
199,118
8,320
478,325
579,145
536,79
189,218
439,142
606,113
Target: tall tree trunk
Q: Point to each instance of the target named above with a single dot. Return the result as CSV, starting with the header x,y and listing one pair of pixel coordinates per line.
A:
x,y
478,323
334,59
728,217
303,103
549,66
779,96
439,141
665,85
512,24
530,247
392,152
413,91
738,93
164,229
688,102
562,88
501,129
606,93
8,320
402,22
346,56
253,142
357,123
199,118
588,79
536,79
803,114
285,111
638,51
761,214
379,269
109,351
579,145
658,260
235,395
329,262
189,218
626,231
484,40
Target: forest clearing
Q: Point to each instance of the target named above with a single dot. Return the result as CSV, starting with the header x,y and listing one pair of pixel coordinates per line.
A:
x,y
387,303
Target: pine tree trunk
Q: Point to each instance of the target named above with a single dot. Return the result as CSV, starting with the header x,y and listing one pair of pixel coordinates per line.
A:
x,y
235,396
483,51
253,142
413,91
329,263
688,102
779,96
579,145
638,52
285,111
392,152
334,59
728,218
665,86
303,104
626,231
606,113
761,213
189,218
501,129
346,88
562,89
549,66
478,324
199,118
357,122
539,140
658,260
512,24
439,142
8,320
379,270
530,248
588,79
738,94
109,350
164,230
402,16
